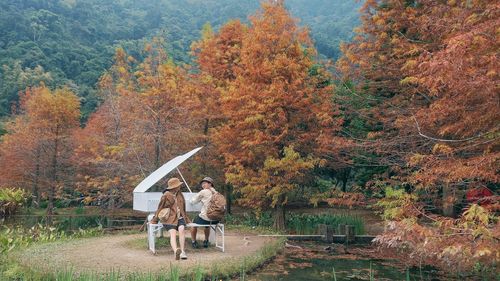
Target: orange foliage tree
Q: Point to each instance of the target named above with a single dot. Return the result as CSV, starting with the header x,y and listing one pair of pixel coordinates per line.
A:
x,y
146,119
433,69
39,142
218,58
20,157
277,112
430,69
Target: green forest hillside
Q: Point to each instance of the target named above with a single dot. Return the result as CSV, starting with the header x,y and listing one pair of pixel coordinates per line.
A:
x,y
71,42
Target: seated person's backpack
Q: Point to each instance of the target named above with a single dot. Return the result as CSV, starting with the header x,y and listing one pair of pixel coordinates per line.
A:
x,y
216,207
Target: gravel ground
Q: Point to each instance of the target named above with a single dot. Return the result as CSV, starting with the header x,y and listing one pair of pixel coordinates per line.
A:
x,y
121,253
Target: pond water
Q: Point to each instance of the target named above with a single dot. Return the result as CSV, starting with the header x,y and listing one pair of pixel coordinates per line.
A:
x,y
312,263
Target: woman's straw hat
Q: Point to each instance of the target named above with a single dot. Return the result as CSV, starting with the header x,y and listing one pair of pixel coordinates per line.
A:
x,y
173,183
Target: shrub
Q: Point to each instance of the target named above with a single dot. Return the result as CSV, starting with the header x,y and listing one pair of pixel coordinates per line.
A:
x,y
11,199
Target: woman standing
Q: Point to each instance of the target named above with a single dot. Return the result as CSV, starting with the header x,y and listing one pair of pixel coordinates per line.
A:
x,y
175,221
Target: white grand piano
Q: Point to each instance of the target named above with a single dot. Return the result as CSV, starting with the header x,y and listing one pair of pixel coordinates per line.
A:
x,y
148,201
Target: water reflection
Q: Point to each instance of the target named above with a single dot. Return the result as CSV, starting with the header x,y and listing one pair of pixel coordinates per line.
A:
x,y
312,262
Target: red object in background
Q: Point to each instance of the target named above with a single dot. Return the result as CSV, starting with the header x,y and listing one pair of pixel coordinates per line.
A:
x,y
479,195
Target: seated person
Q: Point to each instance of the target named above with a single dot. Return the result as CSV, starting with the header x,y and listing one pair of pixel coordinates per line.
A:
x,y
176,220
204,196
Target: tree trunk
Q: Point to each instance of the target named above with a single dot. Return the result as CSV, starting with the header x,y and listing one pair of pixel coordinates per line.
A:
x,y
50,205
448,201
205,133
157,144
35,191
345,177
111,201
52,190
279,217
229,195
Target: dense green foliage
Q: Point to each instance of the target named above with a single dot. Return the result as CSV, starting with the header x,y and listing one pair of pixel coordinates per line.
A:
x,y
330,22
72,42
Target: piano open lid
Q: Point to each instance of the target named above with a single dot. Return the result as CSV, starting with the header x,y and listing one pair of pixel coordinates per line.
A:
x,y
157,175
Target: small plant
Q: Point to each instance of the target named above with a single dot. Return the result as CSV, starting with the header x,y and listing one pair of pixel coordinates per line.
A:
x,y
198,273
372,276
64,275
11,199
243,271
174,273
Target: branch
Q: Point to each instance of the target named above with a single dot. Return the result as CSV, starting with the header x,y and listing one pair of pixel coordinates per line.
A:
x,y
442,140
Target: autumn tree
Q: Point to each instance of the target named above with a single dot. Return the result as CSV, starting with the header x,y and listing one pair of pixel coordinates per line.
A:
x,y
55,116
103,168
20,157
164,117
44,128
277,113
429,70
146,119
425,62
218,56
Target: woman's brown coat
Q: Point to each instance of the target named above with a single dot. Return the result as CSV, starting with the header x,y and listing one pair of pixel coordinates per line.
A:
x,y
168,201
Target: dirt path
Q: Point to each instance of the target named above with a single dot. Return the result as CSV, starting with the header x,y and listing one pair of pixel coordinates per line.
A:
x,y
124,253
